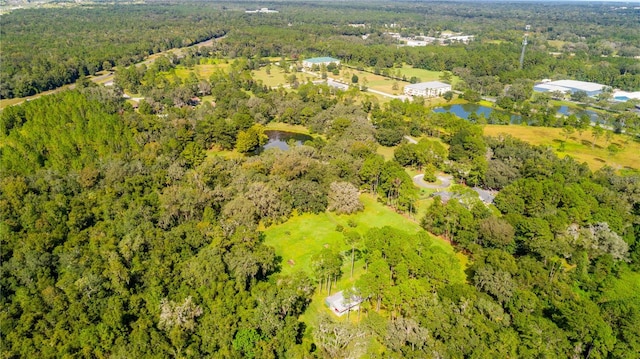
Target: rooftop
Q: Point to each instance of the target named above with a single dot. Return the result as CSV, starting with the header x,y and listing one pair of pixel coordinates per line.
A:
x,y
338,303
319,60
485,196
548,87
428,85
579,85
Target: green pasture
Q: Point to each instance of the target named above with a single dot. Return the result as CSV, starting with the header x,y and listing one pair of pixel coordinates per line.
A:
x,y
579,146
276,78
202,71
302,236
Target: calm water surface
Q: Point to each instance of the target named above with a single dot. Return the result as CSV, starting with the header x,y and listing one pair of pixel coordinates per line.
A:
x,y
282,139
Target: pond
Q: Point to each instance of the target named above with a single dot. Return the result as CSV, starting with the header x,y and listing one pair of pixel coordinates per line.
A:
x,y
567,111
283,139
463,111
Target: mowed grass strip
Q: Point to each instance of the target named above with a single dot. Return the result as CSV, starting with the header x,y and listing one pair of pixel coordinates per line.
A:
x,y
579,146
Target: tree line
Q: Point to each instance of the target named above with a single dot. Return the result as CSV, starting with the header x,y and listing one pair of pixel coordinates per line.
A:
x,y
110,36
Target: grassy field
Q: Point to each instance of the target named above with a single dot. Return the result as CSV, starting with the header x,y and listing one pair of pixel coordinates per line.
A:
x,y
577,146
276,78
386,152
281,126
202,71
425,75
373,81
302,236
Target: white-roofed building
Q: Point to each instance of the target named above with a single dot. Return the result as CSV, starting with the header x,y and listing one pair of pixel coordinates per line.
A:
x,y
546,87
340,305
308,63
427,89
622,96
572,86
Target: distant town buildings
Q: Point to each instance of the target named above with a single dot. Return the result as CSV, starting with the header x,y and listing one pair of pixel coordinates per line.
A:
x,y
569,86
263,10
444,39
308,63
427,89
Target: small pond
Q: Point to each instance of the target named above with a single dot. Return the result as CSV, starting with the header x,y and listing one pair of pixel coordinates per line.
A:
x,y
282,139
568,111
463,111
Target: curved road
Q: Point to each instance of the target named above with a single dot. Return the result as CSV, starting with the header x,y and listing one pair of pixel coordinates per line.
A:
x,y
445,179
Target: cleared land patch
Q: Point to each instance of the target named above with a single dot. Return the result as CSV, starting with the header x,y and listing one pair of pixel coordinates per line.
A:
x,y
276,77
579,146
302,236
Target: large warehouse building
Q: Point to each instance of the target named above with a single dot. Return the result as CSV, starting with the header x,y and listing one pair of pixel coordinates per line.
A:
x,y
427,89
308,63
570,86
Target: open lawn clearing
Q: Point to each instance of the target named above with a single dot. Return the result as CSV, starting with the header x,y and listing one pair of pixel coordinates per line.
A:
x,y
285,127
203,71
578,146
214,152
373,81
302,236
386,152
277,77
424,75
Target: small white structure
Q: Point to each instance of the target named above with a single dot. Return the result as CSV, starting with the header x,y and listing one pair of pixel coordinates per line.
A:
x,y
414,43
308,63
339,305
427,89
263,10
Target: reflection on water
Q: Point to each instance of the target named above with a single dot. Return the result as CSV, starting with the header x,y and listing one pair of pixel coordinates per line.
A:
x,y
282,139
463,111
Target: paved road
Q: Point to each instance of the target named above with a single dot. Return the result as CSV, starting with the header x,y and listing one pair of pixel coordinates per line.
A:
x,y
401,97
445,179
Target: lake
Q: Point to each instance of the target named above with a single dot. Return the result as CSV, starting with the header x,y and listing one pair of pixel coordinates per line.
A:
x,y
283,139
463,111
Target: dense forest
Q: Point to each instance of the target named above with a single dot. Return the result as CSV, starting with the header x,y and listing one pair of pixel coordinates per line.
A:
x,y
581,41
141,231
122,237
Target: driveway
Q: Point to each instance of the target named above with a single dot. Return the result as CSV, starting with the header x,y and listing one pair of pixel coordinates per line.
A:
x,y
445,179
